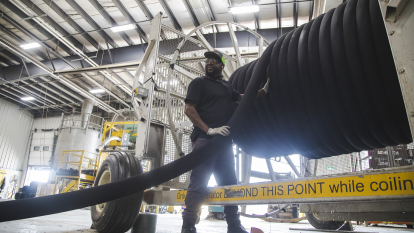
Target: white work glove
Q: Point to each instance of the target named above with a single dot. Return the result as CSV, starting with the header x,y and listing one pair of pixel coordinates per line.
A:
x,y
266,86
223,131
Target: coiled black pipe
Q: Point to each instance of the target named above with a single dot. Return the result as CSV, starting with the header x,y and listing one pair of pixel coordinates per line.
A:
x,y
307,110
334,89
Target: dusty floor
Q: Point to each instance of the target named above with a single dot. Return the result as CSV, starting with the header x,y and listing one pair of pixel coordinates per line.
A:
x,y
79,221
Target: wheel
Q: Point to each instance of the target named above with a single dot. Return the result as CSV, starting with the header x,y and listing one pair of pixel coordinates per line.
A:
x,y
219,215
117,216
327,225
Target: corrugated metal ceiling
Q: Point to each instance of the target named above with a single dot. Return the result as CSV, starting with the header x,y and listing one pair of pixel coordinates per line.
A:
x,y
109,15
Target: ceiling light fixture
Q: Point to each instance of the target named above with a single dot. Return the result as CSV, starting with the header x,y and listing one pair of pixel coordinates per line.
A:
x,y
244,9
123,28
27,98
30,46
96,90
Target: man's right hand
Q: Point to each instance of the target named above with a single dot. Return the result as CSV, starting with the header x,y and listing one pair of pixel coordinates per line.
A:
x,y
223,131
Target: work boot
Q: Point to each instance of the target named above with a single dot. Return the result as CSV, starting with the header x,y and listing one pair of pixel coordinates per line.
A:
x,y
188,227
236,227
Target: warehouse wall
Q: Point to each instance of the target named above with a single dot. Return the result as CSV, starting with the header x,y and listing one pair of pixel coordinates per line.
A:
x,y
15,127
46,123
15,131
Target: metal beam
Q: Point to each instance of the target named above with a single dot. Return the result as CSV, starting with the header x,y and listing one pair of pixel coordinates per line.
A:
x,y
33,37
210,12
123,57
91,22
63,79
234,17
36,99
191,12
11,56
235,45
295,13
15,100
256,18
62,88
170,14
271,171
55,91
110,20
279,17
20,40
5,60
47,92
52,23
72,23
50,106
131,19
143,7
74,49
311,10
33,23
40,99
292,165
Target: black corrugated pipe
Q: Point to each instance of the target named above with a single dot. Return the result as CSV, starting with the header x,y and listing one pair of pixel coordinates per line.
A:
x,y
334,89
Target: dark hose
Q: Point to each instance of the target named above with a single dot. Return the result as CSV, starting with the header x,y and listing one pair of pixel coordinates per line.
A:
x,y
334,89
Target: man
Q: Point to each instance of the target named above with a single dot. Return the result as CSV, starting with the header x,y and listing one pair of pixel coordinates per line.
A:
x,y
209,106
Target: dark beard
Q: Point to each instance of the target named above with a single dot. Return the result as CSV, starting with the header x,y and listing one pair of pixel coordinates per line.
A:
x,y
212,74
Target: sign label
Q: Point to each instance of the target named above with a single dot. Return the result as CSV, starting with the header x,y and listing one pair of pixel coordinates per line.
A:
x,y
366,185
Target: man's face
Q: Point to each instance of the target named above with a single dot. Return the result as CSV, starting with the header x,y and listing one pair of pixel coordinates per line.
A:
x,y
213,67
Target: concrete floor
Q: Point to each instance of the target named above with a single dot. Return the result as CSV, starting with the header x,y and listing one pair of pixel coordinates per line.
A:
x,y
79,221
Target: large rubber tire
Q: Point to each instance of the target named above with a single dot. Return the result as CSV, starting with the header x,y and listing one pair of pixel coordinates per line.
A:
x,y
327,225
117,216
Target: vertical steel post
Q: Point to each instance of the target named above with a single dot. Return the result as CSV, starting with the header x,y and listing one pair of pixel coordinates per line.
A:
x,y
315,168
246,172
148,122
270,168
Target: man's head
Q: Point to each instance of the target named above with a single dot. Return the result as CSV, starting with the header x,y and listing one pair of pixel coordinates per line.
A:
x,y
214,63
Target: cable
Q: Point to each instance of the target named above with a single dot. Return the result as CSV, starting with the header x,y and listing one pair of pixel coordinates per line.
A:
x,y
277,124
327,93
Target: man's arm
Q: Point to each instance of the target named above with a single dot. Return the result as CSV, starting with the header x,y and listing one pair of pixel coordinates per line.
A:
x,y
192,114
261,92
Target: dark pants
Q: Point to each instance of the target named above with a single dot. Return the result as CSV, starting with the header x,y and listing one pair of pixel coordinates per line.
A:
x,y
223,169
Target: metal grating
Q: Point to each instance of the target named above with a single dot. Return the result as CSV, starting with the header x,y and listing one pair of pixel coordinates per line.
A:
x,y
170,152
395,156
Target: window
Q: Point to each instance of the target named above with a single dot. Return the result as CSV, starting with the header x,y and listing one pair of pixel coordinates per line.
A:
x,y
46,148
36,148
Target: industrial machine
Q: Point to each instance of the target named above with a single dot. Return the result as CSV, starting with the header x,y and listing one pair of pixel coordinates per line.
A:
x,y
350,188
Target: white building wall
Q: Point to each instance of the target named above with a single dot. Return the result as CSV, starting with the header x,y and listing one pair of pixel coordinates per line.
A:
x,y
15,130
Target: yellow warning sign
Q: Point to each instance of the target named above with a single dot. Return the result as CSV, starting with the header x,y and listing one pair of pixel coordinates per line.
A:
x,y
363,185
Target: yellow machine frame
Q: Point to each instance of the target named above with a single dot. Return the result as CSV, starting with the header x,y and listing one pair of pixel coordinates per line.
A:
x,y
79,181
111,125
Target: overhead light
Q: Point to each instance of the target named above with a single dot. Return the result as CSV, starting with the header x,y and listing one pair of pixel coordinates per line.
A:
x,y
30,46
27,98
244,9
96,90
123,28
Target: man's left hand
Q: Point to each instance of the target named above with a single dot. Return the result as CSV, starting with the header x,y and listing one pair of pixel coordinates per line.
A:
x,y
266,86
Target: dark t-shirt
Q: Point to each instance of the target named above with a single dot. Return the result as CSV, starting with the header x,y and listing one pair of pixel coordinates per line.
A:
x,y
214,100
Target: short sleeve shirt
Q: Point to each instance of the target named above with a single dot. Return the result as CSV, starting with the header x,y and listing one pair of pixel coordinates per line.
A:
x,y
214,103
